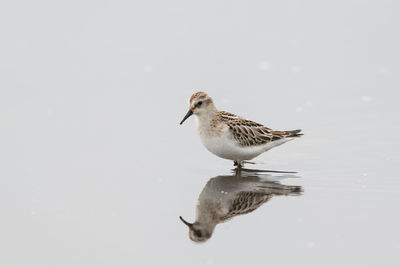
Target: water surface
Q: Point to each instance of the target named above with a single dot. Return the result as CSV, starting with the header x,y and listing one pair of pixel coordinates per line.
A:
x,y
95,169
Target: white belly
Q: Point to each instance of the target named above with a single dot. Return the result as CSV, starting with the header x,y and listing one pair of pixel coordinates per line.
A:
x,y
226,147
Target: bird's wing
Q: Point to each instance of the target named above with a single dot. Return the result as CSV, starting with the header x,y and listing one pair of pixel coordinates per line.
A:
x,y
246,202
226,116
250,133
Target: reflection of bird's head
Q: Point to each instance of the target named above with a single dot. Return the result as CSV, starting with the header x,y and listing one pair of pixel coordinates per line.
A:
x,y
198,232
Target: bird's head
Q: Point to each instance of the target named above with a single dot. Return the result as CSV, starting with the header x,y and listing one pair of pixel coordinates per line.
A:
x,y
198,232
199,103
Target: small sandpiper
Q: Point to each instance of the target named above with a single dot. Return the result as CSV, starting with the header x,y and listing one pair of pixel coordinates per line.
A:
x,y
231,137
225,197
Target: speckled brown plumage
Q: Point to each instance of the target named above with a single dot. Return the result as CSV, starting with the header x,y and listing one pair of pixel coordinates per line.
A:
x,y
247,202
250,133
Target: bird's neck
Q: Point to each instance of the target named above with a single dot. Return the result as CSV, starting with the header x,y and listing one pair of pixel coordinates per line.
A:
x,y
205,122
209,217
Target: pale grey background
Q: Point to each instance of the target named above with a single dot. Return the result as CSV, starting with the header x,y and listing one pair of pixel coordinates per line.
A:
x,y
95,170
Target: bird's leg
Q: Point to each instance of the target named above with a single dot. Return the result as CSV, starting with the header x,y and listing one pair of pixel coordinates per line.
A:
x,y
238,164
238,170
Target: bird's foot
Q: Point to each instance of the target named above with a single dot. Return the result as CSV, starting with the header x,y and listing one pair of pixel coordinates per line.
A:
x,y
238,164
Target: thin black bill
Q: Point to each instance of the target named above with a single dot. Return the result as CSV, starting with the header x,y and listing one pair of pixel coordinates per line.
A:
x,y
188,114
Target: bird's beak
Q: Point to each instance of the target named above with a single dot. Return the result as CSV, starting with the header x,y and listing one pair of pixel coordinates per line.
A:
x,y
185,222
188,114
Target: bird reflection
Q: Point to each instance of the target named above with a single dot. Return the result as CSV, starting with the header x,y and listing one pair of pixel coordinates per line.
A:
x,y
225,197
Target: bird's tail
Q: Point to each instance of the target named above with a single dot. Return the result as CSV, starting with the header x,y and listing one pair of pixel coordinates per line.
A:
x,y
293,133
287,134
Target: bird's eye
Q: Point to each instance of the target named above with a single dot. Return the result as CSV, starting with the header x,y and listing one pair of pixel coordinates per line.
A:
x,y
199,103
198,233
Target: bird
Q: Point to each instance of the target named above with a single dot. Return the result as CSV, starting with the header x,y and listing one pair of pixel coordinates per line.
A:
x,y
229,136
227,196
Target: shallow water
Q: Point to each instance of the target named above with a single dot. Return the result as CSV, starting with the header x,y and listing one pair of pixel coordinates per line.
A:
x,y
95,169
